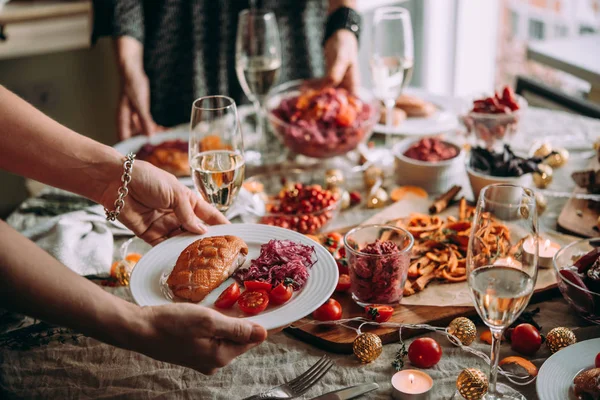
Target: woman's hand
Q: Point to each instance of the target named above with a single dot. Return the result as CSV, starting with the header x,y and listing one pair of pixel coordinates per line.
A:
x,y
158,206
195,337
133,113
341,60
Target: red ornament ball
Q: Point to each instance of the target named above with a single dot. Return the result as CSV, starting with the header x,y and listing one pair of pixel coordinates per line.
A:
x,y
424,352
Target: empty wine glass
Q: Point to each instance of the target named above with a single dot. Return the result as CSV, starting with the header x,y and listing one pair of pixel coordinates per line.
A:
x,y
258,64
392,58
501,273
216,150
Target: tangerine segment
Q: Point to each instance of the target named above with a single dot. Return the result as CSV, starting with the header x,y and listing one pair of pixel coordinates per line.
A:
x,y
486,336
520,361
133,257
399,193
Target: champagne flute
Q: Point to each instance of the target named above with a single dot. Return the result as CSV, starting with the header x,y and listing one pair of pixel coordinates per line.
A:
x,y
501,276
216,150
258,62
391,61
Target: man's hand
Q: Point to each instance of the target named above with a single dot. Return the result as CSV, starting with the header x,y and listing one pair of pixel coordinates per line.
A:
x,y
341,60
196,337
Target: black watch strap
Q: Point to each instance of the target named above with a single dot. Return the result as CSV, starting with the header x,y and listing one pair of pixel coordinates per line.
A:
x,y
343,18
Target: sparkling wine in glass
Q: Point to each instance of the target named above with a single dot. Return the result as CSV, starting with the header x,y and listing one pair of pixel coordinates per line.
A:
x,y
392,58
258,63
501,277
216,150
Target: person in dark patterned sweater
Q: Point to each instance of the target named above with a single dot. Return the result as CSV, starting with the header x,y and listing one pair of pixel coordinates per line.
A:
x,y
170,52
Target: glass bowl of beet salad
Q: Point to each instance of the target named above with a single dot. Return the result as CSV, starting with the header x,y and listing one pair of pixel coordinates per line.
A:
x,y
577,268
378,260
321,122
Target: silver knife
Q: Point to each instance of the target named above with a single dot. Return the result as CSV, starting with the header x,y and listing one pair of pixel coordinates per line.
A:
x,y
349,392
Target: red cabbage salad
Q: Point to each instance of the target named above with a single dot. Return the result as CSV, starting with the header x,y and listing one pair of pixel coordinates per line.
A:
x,y
278,260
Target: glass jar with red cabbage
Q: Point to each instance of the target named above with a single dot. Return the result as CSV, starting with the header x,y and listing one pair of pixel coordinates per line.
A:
x,y
378,258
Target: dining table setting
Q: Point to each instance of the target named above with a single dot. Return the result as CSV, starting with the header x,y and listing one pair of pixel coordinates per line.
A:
x,y
394,243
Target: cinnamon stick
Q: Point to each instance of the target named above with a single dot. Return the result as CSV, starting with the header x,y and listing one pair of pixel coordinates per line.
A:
x,y
442,202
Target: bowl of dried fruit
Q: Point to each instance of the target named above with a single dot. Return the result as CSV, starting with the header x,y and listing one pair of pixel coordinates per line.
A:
x,y
321,122
294,199
577,268
495,119
431,163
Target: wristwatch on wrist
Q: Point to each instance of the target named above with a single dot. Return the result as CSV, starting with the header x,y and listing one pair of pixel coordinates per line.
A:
x,y
342,18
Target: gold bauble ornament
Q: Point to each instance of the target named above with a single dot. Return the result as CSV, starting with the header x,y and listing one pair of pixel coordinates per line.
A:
x,y
333,178
472,384
367,347
543,150
372,175
377,198
558,159
559,338
464,329
541,203
543,178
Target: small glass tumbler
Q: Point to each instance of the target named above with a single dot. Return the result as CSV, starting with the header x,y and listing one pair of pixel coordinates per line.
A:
x,y
378,260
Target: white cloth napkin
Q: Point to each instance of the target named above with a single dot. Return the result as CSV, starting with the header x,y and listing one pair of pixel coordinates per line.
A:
x,y
247,205
82,240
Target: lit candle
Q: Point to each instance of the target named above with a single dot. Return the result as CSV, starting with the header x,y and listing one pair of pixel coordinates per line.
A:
x,y
411,384
508,262
546,251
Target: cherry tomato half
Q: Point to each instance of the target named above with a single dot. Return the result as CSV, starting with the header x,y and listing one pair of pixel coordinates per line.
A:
x,y
257,285
379,313
330,311
343,283
424,352
229,296
597,361
253,302
525,339
281,293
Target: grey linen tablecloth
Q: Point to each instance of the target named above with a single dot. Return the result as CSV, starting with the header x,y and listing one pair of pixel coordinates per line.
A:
x,y
39,361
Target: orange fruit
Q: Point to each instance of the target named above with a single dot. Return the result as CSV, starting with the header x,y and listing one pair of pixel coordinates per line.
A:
x,y
520,361
399,193
133,257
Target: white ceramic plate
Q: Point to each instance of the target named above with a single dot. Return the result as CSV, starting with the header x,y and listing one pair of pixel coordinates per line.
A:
x,y
145,279
555,379
445,118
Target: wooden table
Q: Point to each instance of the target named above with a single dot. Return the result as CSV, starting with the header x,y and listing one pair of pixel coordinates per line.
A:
x,y
579,56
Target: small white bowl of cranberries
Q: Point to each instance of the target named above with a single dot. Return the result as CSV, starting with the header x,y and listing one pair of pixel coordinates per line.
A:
x,y
294,199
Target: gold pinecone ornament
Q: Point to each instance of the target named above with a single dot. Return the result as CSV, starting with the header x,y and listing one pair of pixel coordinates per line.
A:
x,y
334,178
559,338
558,159
367,347
543,178
464,329
472,384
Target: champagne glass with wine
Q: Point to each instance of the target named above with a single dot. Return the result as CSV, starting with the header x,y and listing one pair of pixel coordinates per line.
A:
x,y
216,150
502,260
392,56
258,63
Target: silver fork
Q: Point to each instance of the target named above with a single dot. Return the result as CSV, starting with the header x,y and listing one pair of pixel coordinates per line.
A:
x,y
298,386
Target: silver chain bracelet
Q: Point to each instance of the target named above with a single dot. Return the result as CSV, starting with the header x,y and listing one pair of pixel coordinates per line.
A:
x,y
123,191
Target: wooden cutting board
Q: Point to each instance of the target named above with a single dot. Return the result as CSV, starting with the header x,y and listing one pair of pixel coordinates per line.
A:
x,y
338,339
577,217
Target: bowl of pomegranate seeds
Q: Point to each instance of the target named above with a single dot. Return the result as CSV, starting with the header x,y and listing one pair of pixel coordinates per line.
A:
x,y
321,122
294,199
495,118
431,163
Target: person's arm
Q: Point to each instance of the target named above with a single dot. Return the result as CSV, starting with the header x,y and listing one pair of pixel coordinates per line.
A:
x,y
36,284
341,53
38,147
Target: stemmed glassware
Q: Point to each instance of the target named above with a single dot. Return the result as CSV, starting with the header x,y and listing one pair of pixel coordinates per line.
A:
x,y
501,265
392,57
216,150
258,64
